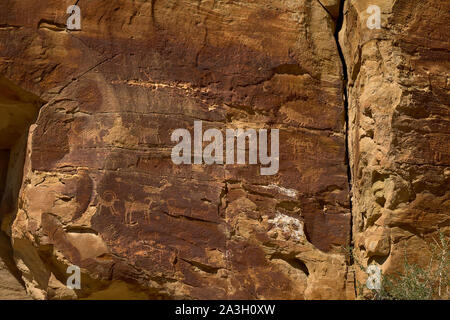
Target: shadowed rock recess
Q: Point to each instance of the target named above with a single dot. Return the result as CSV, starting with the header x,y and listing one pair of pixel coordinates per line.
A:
x,y
18,109
100,191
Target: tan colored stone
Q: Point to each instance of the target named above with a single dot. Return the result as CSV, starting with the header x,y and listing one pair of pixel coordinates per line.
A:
x,y
398,129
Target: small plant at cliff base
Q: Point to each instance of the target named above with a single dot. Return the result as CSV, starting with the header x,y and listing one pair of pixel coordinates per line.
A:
x,y
417,283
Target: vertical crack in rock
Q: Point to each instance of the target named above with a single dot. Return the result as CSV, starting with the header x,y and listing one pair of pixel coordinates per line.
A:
x,y
339,24
18,110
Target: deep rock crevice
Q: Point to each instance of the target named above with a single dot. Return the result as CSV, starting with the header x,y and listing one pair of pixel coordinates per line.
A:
x,y
339,26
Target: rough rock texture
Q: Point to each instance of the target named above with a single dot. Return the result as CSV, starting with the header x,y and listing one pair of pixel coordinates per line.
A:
x,y
11,284
100,190
399,129
18,109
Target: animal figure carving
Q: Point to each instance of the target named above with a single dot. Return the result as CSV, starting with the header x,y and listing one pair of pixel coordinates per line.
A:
x,y
108,200
131,206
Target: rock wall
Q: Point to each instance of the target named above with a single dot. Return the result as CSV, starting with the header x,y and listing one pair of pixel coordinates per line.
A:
x,y
101,191
399,129
99,188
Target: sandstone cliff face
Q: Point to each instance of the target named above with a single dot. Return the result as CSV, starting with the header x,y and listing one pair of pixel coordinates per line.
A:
x,y
399,129
99,189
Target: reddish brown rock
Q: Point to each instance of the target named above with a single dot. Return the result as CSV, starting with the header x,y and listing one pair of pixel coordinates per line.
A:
x,y
100,190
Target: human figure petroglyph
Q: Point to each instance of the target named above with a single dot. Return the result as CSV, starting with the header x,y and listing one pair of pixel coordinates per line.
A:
x,y
147,212
156,249
437,149
302,146
160,251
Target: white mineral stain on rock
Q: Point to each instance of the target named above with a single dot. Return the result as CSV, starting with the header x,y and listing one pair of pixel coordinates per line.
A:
x,y
289,225
287,192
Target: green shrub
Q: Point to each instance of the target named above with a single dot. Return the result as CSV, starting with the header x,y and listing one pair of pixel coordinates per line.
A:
x,y
416,282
